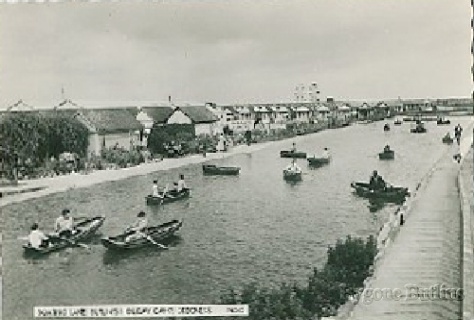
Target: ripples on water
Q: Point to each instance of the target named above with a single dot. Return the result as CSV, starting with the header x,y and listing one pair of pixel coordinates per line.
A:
x,y
237,230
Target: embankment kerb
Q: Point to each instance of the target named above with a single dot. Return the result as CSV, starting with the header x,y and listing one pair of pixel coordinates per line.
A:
x,y
466,189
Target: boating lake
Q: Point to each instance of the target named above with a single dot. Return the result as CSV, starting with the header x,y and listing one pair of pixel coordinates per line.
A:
x,y
251,228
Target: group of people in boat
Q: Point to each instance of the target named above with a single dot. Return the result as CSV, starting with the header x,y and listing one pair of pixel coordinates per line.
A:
x,y
64,227
167,191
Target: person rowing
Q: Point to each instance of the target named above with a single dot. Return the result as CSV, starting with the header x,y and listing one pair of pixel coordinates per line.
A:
x,y
181,184
326,154
37,239
387,149
293,148
138,228
155,190
64,225
293,167
377,182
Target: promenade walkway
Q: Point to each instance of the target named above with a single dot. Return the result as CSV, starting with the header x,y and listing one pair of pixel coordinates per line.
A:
x,y
420,273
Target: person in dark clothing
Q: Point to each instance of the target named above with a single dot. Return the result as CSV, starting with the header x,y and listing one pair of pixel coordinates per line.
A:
x,y
376,182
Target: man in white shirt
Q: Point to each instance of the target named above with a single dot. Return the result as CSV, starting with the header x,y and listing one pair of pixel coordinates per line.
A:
x,y
64,225
138,227
181,183
155,190
37,239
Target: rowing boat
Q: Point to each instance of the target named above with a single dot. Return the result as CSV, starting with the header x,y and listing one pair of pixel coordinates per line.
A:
x,y
157,234
292,154
171,196
210,169
318,161
390,193
85,229
292,175
443,121
447,140
387,155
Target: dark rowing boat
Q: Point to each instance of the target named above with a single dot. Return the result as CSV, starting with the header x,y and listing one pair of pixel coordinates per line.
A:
x,y
420,128
157,233
171,196
390,193
387,155
447,140
292,154
442,121
397,122
210,169
85,228
317,162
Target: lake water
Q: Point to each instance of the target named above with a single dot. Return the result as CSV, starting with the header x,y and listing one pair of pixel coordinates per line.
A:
x,y
252,228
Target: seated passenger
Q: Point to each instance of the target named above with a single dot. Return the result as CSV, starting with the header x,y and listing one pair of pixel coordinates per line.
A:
x,y
37,239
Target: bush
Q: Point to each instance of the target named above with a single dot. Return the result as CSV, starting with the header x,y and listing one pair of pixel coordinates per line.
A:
x,y
163,135
327,289
32,137
122,157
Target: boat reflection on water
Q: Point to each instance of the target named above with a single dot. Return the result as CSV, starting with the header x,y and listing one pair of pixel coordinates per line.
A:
x,y
376,205
114,257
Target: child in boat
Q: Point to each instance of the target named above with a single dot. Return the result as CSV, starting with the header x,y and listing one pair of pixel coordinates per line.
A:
x,y
37,239
138,227
64,225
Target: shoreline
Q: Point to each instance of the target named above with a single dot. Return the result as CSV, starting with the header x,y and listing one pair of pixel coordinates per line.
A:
x,y
33,189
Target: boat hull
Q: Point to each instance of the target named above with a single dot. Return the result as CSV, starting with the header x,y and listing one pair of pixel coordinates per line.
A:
x,y
387,155
157,233
318,161
87,228
418,130
290,154
391,194
172,197
447,140
220,171
292,176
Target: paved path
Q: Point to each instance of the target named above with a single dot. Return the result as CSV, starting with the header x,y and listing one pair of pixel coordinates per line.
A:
x,y
425,255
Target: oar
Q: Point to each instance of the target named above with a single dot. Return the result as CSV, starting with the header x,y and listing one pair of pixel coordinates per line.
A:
x,y
153,241
74,243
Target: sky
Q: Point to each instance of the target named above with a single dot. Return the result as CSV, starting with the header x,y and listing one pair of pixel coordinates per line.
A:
x,y
231,51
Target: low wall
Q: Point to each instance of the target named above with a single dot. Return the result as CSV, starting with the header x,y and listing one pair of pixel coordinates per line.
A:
x,y
465,184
